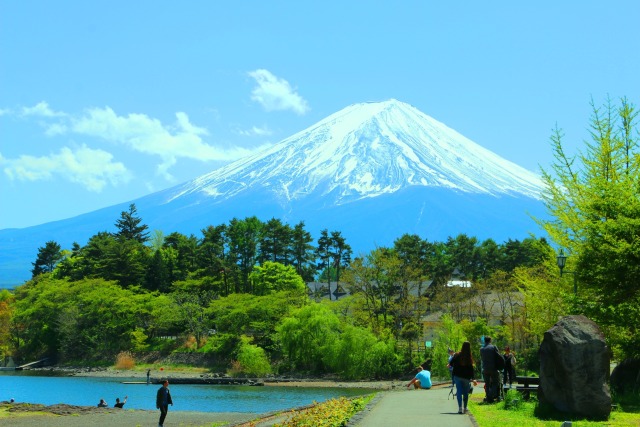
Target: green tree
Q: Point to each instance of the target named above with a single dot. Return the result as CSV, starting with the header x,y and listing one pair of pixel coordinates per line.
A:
x,y
340,254
129,226
184,256
255,316
48,257
302,252
594,202
251,359
191,301
243,240
211,253
275,242
273,277
306,336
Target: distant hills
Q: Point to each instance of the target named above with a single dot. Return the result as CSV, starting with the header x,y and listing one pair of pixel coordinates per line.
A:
x,y
373,171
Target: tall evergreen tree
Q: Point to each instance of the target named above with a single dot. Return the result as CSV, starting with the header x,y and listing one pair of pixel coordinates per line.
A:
x,y
129,226
48,257
302,252
275,242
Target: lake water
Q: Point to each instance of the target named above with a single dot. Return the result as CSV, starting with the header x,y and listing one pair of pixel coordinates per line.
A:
x,y
87,391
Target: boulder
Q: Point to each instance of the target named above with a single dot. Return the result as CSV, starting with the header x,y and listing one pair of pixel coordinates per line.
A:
x,y
574,368
625,377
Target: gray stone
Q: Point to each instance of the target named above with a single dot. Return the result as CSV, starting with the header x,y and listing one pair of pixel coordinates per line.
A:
x,y
574,368
625,377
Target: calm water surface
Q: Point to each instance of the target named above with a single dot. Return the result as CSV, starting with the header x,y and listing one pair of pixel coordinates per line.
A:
x,y
205,398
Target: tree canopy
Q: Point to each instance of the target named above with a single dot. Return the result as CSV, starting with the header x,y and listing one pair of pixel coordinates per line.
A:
x,y
594,200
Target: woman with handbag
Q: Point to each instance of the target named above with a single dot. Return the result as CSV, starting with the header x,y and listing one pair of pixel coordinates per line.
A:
x,y
462,363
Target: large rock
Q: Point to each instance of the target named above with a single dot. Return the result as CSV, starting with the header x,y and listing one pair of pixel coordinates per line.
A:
x,y
574,368
625,377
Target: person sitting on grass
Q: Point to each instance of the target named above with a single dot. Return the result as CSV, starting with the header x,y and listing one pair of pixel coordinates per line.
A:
x,y
421,380
102,403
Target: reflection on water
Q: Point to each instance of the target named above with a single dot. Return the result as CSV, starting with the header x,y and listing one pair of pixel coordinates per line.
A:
x,y
48,390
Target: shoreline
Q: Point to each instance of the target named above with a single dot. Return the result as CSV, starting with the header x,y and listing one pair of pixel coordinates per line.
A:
x,y
181,375
63,415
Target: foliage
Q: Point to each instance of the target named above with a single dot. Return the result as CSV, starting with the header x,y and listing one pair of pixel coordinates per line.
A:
x,y
358,354
314,340
129,226
6,313
86,319
47,258
273,277
594,201
449,335
257,316
125,292
332,413
306,335
252,360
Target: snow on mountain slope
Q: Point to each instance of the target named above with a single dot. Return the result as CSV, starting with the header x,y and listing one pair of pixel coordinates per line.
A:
x,y
373,171
366,150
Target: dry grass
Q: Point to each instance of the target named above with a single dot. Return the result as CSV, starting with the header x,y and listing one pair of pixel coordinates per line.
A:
x,y
124,360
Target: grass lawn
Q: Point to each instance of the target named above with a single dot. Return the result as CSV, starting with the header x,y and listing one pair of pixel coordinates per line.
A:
x,y
527,414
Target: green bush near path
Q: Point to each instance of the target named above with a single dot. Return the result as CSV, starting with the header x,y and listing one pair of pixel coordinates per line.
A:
x,y
514,411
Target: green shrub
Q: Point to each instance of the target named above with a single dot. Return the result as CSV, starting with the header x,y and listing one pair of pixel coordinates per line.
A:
x,y
252,360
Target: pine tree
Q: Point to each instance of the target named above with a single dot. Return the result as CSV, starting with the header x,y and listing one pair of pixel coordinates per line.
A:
x,y
48,257
129,226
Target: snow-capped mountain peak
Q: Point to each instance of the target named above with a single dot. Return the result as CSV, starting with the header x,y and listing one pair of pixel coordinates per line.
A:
x,y
366,150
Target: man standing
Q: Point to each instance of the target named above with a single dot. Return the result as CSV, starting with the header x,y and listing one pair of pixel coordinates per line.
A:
x,y
163,400
421,380
451,354
489,354
509,366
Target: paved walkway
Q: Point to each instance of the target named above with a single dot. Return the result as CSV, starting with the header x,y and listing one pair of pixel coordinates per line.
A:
x,y
404,407
414,408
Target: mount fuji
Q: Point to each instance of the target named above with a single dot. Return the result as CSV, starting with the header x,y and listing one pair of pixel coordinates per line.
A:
x,y
373,171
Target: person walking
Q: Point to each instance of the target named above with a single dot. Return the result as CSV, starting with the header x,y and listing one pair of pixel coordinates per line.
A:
x,y
148,376
462,363
163,400
490,366
509,366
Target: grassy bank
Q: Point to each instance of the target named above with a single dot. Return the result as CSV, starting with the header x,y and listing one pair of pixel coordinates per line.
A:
x,y
514,411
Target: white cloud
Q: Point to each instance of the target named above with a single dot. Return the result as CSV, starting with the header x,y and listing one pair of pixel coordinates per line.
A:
x,y
4,112
138,132
41,109
274,93
93,169
255,131
147,135
55,129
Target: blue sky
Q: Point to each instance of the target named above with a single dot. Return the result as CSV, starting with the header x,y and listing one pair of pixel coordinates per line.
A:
x,y
102,102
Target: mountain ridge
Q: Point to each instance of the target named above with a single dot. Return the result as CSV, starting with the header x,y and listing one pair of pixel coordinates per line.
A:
x,y
373,171
432,164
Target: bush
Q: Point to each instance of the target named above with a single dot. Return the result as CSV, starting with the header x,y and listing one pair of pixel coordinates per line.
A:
x,y
125,360
252,360
332,413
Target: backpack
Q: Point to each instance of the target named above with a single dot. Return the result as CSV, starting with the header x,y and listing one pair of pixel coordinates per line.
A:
x,y
499,361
